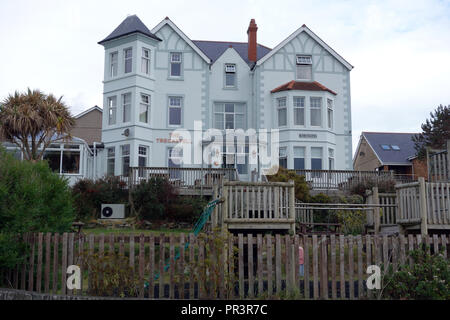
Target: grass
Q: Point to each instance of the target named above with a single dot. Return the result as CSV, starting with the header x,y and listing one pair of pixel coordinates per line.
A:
x,y
127,231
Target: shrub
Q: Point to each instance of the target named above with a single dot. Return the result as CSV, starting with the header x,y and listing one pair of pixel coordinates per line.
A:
x,y
428,278
111,275
151,199
186,209
32,199
301,186
89,195
384,186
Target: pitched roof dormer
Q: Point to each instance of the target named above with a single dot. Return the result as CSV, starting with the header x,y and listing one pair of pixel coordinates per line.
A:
x,y
132,24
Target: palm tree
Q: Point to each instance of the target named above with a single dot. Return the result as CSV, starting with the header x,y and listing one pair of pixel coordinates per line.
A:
x,y
34,120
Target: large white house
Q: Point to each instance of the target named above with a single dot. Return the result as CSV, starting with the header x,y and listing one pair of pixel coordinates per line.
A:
x,y
157,81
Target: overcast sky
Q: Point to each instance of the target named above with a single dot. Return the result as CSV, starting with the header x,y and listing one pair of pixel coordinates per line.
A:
x,y
400,49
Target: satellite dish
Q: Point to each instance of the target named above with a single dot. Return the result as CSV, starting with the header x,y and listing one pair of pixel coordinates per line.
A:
x,y
126,132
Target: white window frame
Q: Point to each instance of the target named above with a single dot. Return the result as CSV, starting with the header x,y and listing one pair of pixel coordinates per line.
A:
x,y
224,114
175,106
311,108
113,64
330,114
145,105
230,69
125,60
66,147
126,107
111,156
112,110
279,108
172,61
299,109
125,155
303,60
145,61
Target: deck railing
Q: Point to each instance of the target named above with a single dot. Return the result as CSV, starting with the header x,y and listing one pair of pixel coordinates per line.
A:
x,y
183,177
258,205
439,165
342,179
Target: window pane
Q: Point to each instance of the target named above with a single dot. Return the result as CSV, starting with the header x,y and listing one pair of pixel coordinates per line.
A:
x,y
219,121
110,167
126,107
71,162
229,121
142,161
175,57
112,107
316,164
229,107
283,162
53,158
316,111
114,64
143,113
299,116
128,60
282,117
299,152
126,166
316,152
230,79
304,72
299,163
330,118
175,69
175,116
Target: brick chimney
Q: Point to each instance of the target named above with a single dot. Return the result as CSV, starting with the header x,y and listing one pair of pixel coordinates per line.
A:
x,y
251,32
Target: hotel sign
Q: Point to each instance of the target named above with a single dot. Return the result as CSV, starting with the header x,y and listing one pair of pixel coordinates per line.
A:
x,y
307,136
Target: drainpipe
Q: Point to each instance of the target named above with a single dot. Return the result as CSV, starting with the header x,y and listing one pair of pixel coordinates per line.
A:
x,y
94,175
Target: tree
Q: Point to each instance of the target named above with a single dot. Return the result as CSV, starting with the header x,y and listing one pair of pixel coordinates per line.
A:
x,y
33,121
435,131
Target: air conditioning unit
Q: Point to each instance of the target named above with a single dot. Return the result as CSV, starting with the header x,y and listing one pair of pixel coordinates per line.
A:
x,y
113,211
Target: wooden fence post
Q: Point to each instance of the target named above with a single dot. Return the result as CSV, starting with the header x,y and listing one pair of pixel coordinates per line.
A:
x,y
376,210
292,205
225,205
423,206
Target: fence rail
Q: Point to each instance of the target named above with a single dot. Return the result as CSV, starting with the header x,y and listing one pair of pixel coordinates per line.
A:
x,y
342,179
439,165
334,266
191,178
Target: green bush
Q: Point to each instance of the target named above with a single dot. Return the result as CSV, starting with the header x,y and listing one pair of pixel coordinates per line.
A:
x,y
384,186
186,209
301,186
427,279
32,199
151,199
89,195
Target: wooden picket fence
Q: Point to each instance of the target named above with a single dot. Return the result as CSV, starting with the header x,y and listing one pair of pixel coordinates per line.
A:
x,y
253,265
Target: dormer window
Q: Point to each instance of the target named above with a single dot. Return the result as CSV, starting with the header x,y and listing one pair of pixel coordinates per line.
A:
x,y
230,75
304,67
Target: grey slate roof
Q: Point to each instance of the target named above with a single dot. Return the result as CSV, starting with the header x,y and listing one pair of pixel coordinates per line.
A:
x,y
403,140
131,24
214,49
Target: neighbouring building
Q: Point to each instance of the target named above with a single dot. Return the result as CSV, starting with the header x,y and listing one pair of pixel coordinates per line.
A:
x,y
389,151
159,80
